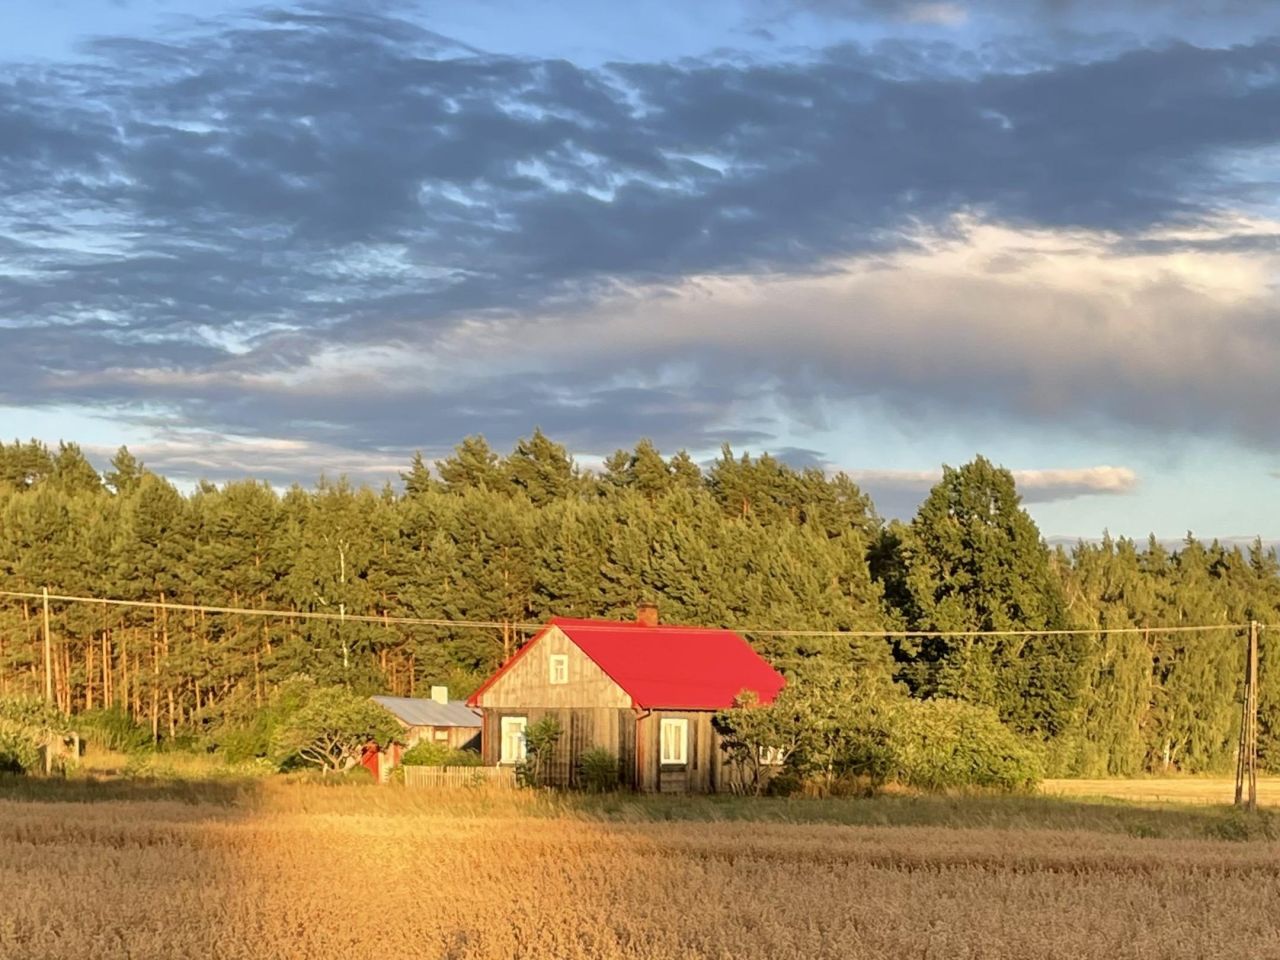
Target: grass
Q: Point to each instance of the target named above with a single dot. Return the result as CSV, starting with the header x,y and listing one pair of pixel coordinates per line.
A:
x,y
263,868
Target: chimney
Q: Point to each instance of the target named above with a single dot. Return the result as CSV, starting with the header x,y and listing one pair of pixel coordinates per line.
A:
x,y
440,694
647,613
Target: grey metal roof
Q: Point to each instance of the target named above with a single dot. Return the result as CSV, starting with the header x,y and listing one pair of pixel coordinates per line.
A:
x,y
419,712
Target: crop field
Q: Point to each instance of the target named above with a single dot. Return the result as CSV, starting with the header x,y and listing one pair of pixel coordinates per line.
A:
x,y
301,871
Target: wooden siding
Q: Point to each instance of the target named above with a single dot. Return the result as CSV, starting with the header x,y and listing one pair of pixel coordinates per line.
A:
x,y
528,682
705,769
584,728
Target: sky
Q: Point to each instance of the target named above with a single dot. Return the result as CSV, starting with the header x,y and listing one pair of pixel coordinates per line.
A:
x,y
867,235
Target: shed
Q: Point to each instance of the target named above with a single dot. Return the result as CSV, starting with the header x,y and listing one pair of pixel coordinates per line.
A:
x,y
450,723
646,692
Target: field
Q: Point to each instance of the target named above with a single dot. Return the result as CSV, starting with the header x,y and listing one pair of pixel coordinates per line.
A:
x,y
231,870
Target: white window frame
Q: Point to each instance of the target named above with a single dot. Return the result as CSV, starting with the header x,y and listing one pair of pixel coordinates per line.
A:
x,y
772,756
507,725
682,757
558,669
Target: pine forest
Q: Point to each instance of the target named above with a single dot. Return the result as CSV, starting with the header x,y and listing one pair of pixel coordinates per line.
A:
x,y
747,543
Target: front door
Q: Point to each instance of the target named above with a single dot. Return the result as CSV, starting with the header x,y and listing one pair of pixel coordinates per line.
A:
x,y
513,748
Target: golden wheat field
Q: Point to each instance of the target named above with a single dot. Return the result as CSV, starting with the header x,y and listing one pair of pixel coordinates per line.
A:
x,y
311,872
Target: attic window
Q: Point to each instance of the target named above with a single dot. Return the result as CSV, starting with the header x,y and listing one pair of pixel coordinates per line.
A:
x,y
559,668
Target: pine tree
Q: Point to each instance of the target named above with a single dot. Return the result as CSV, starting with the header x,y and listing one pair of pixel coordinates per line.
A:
x,y
473,466
417,480
975,561
540,469
126,471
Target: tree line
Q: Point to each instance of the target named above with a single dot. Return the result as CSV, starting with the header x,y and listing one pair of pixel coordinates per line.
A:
x,y
514,539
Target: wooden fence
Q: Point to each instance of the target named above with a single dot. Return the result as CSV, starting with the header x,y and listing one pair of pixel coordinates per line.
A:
x,y
491,778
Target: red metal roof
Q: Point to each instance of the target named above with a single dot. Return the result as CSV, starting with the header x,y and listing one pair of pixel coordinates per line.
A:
x,y
667,667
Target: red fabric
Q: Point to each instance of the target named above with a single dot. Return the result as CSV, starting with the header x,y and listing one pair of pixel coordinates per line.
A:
x,y
682,668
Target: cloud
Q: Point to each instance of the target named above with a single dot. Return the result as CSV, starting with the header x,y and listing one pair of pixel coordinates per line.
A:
x,y
379,239
898,493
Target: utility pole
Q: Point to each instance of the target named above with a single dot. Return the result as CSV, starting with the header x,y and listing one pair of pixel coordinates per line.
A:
x,y
1247,761
48,648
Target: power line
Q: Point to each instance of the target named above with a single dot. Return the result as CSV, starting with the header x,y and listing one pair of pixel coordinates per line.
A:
x,y
517,625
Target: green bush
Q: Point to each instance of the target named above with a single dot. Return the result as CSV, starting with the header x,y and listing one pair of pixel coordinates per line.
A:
x,y
18,751
26,725
938,744
113,729
426,753
598,770
540,741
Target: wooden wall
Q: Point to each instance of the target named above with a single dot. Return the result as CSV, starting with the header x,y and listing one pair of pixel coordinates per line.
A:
x,y
528,681
584,727
705,771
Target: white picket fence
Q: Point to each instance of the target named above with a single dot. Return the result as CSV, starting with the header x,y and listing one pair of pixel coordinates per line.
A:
x,y
494,778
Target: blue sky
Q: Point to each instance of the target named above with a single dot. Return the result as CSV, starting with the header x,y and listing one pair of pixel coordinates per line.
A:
x,y
871,235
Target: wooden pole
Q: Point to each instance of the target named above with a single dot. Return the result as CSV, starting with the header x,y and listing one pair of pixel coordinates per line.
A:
x,y
1253,715
48,648
1247,759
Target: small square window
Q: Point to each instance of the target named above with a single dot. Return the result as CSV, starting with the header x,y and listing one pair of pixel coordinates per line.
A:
x,y
772,756
674,736
559,668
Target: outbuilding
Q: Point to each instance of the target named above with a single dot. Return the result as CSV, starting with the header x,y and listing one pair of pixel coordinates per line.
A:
x,y
450,723
646,692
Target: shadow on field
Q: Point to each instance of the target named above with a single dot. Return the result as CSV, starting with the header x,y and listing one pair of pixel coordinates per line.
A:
x,y
1154,820
222,792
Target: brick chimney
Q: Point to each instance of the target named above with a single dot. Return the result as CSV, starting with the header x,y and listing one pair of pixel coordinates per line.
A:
x,y
440,694
647,613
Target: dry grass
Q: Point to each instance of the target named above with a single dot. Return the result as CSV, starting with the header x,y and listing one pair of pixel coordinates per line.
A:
x,y
1160,790
298,871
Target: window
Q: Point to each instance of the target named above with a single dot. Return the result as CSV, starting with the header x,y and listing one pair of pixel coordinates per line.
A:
x,y
772,756
440,735
675,740
559,668
513,739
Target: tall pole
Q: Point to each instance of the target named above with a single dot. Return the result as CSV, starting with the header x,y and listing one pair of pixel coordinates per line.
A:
x,y
1247,760
1253,715
48,648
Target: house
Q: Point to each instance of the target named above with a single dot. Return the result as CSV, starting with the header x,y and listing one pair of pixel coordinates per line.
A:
x,y
646,692
450,723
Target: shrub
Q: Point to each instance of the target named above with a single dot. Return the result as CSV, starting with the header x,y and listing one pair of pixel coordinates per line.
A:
x,y
113,729
28,728
936,744
331,728
540,744
426,753
598,770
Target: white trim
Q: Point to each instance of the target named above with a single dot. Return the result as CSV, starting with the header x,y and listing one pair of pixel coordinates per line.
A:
x,y
512,744
680,743
558,668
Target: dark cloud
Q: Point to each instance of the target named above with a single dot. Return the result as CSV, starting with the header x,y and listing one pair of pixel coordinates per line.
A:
x,y
217,207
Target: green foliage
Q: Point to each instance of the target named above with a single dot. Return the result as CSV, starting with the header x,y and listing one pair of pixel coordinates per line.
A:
x,y
113,729
426,753
330,728
30,729
541,738
598,770
973,560
833,731
938,744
